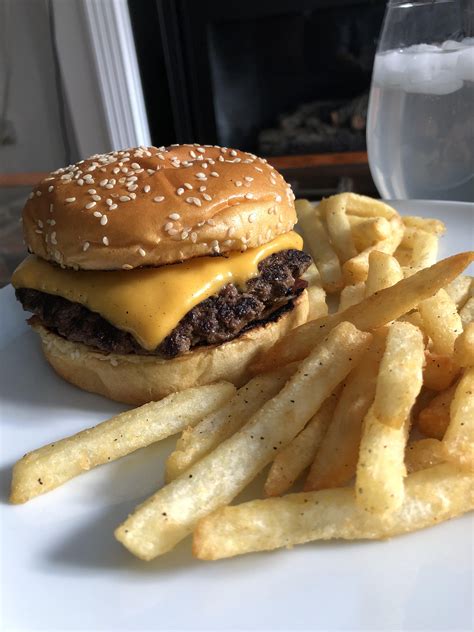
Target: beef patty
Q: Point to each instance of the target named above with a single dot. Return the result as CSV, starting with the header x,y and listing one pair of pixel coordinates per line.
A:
x,y
216,319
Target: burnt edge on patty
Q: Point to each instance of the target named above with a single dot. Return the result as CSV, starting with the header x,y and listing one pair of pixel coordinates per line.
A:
x,y
217,319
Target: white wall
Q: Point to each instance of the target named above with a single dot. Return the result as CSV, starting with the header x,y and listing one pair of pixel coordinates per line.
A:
x,y
33,98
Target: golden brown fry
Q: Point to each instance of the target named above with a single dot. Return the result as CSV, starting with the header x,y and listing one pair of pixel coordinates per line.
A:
x,y
333,209
458,441
429,225
356,269
400,375
441,322
464,347
48,467
432,496
375,311
317,242
434,418
367,231
423,453
298,455
171,513
460,289
316,294
368,207
336,460
422,249
207,434
351,295
440,371
384,271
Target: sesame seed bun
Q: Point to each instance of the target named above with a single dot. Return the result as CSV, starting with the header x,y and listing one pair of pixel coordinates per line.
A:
x,y
151,206
134,379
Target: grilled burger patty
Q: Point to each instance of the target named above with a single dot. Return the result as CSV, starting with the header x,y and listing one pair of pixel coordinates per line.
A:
x,y
217,319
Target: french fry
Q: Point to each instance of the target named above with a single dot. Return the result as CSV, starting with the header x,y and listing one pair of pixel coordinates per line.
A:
x,y
429,225
423,453
373,312
298,455
384,271
367,231
336,460
333,209
400,375
197,441
464,347
440,371
458,441
433,419
422,248
317,242
49,467
380,469
316,294
172,512
441,322
460,289
432,495
368,207
351,295
356,269
467,312
415,319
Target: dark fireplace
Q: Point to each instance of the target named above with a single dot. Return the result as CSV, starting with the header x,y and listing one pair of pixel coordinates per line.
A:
x,y
282,78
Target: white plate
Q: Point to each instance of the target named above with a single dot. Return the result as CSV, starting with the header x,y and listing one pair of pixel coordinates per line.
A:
x,y
63,570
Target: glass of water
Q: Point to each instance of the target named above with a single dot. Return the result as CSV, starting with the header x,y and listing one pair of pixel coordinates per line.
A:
x,y
420,127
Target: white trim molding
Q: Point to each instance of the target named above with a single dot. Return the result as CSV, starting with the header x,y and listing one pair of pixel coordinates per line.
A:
x,y
100,75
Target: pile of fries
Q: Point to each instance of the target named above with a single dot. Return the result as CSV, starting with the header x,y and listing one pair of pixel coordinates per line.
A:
x,y
373,404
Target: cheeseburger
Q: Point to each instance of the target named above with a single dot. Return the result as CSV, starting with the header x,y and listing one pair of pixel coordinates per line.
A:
x,y
156,269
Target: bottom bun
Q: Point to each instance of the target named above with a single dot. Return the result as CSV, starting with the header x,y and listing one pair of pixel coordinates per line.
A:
x,y
135,379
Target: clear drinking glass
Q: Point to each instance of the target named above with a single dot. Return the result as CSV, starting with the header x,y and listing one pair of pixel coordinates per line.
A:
x,y
420,127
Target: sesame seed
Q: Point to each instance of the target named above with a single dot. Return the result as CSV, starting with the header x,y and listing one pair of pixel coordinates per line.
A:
x,y
258,169
159,198
172,231
109,201
193,200
54,241
135,165
109,186
133,196
211,222
248,178
132,187
104,220
192,154
91,191
71,199
125,198
103,182
184,234
215,245
277,198
168,225
238,183
252,217
38,193
221,159
85,246
180,191
127,266
233,152
249,196
91,205
194,237
97,214
40,223
105,241
207,197
39,232
201,150
146,188
97,198
201,175
214,174
112,207
174,216
51,208
141,252
50,188
202,188
188,186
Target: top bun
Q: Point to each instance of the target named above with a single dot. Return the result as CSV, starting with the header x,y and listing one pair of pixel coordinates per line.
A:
x,y
151,206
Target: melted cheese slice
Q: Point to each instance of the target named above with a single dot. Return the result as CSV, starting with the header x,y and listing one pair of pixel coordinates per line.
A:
x,y
149,302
